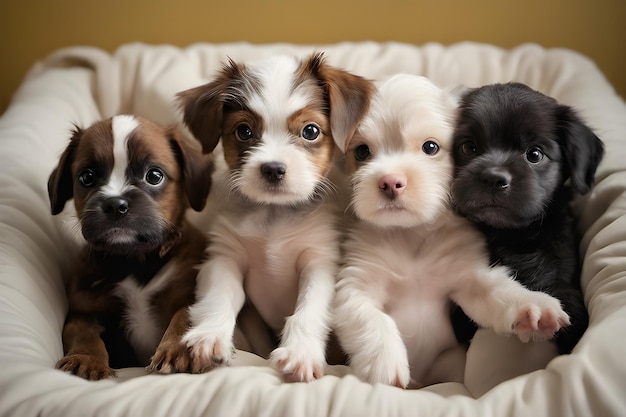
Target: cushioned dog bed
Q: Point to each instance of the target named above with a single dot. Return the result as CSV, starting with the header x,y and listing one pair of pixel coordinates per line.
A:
x,y
503,376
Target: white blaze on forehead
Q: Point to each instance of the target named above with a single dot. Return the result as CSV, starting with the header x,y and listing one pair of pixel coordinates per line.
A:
x,y
278,99
122,127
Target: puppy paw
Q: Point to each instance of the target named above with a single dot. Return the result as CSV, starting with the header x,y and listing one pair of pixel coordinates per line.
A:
x,y
170,357
386,365
297,364
540,320
389,372
85,366
208,350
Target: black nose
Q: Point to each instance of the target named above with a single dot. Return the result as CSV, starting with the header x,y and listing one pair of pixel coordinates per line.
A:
x,y
496,177
273,171
115,206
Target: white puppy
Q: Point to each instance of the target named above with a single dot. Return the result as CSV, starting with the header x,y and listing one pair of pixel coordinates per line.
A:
x,y
275,240
408,257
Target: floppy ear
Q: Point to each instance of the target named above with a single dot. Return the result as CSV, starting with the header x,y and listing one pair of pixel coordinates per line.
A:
x,y
196,168
582,149
348,96
203,106
61,183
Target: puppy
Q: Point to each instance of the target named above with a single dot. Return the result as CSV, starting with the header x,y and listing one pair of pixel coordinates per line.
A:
x,y
408,256
514,150
275,240
131,181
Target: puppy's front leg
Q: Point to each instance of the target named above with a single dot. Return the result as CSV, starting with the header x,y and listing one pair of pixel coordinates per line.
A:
x,y
172,354
85,353
369,336
300,356
493,299
213,317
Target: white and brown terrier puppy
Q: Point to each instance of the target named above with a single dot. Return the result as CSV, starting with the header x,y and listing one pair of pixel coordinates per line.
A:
x,y
132,181
275,240
408,256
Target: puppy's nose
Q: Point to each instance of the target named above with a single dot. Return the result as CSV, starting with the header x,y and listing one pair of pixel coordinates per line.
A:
x,y
392,185
496,177
273,171
115,206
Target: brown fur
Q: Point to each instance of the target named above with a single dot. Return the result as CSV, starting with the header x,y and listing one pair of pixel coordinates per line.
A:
x,y
234,149
98,270
205,107
321,150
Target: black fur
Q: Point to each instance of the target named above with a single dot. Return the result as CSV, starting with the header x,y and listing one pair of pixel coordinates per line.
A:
x,y
520,156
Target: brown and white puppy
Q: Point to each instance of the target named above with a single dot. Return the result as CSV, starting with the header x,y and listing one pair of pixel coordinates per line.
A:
x,y
132,181
275,239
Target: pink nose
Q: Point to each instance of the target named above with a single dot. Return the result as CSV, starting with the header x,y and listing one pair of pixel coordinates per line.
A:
x,y
392,185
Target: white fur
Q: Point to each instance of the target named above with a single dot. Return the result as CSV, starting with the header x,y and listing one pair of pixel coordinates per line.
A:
x,y
277,100
408,258
122,127
275,247
142,327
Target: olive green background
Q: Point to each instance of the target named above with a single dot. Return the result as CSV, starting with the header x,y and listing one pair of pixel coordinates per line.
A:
x,y
31,29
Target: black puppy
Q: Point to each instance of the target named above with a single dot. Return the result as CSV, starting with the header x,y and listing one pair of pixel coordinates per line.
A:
x,y
515,150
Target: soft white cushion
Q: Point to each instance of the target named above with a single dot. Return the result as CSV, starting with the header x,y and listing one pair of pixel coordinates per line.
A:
x,y
80,85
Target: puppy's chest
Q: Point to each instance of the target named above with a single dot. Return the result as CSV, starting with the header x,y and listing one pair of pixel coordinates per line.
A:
x,y
420,270
425,265
134,290
419,275
99,276
137,297
274,239
275,243
271,244
143,319
538,260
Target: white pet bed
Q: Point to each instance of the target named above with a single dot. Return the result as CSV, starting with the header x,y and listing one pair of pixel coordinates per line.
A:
x,y
80,85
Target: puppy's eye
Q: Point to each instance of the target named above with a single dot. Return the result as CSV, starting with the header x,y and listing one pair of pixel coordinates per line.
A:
x,y
244,132
361,152
154,176
468,148
87,178
534,155
310,132
430,148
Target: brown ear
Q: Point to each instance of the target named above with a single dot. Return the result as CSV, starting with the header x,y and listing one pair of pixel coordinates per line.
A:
x,y
61,183
196,168
348,95
203,106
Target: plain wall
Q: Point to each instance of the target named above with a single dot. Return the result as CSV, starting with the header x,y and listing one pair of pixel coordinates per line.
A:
x,y
31,29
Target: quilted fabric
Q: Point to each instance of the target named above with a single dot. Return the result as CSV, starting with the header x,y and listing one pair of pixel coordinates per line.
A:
x,y
503,377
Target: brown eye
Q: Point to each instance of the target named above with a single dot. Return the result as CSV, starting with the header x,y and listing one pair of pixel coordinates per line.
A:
x,y
87,178
468,148
244,132
534,155
430,148
361,152
310,132
154,176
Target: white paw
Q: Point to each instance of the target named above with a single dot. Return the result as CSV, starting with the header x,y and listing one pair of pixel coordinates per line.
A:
x,y
539,319
388,365
298,363
207,349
